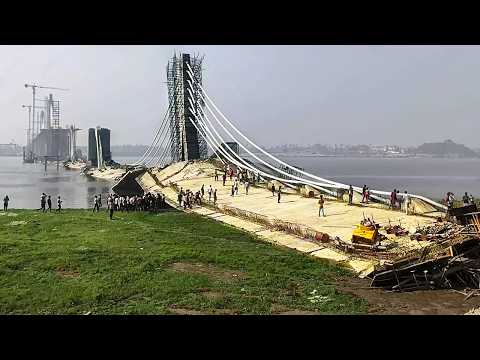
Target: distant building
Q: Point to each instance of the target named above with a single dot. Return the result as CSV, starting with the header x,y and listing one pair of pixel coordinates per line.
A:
x,y
99,146
53,143
10,150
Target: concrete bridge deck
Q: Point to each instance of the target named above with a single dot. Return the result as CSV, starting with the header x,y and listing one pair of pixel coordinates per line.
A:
x,y
340,218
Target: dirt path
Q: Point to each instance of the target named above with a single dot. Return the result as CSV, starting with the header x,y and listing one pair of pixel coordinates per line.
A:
x,y
427,302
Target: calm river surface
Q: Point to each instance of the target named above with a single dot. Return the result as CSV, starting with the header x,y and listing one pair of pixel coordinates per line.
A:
x,y
431,177
24,183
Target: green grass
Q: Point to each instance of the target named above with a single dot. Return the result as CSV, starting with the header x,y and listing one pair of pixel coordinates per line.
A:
x,y
78,262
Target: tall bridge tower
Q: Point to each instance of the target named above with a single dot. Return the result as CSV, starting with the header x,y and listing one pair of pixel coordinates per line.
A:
x,y
187,144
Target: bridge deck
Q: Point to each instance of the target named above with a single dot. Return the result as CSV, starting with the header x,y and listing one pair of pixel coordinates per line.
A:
x,y
340,218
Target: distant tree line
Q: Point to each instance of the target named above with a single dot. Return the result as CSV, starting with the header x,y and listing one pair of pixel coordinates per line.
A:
x,y
448,148
445,149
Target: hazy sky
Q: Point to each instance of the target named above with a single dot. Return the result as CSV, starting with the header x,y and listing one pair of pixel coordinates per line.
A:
x,y
403,95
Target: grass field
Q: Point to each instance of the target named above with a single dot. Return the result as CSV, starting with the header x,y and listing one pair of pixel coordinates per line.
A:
x,y
78,262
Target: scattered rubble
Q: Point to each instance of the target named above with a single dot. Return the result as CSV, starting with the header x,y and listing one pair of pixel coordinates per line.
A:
x,y
452,261
474,312
441,231
397,230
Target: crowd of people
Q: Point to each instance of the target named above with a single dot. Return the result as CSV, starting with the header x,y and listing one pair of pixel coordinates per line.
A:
x,y
466,199
46,203
148,202
188,198
238,177
398,202
365,194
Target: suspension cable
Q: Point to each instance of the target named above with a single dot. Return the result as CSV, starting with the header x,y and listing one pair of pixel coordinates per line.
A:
x,y
312,183
156,139
296,169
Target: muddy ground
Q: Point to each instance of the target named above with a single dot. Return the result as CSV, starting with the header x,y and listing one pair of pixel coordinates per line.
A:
x,y
422,302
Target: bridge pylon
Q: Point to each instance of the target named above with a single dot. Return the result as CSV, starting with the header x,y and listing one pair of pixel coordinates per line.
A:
x,y
186,143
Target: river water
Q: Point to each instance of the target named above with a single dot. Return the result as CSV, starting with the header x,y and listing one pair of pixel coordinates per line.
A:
x,y
431,177
24,183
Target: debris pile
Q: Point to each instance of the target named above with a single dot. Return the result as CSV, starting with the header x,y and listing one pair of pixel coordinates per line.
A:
x,y
377,250
452,264
474,312
398,230
440,231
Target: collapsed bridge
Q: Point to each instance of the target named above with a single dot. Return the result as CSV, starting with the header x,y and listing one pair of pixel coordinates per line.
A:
x,y
193,122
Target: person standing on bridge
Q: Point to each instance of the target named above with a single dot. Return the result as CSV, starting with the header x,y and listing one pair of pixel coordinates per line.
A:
x,y
216,175
215,197
6,199
279,194
450,200
198,198
350,195
224,178
406,201
179,198
236,187
393,198
210,193
273,189
233,190
364,193
247,185
186,199
321,203
202,190
466,199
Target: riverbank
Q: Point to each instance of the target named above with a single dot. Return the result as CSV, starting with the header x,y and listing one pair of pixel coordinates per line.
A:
x,y
109,174
77,262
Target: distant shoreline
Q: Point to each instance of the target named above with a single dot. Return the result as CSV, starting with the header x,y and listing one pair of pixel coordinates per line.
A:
x,y
405,156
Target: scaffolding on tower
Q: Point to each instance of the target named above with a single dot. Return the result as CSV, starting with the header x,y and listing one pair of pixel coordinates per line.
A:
x,y
186,143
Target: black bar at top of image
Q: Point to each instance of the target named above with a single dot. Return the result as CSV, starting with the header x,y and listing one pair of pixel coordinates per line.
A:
x,y
145,30
317,37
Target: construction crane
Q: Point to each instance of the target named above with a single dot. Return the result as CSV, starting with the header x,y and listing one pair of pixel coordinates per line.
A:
x,y
34,87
